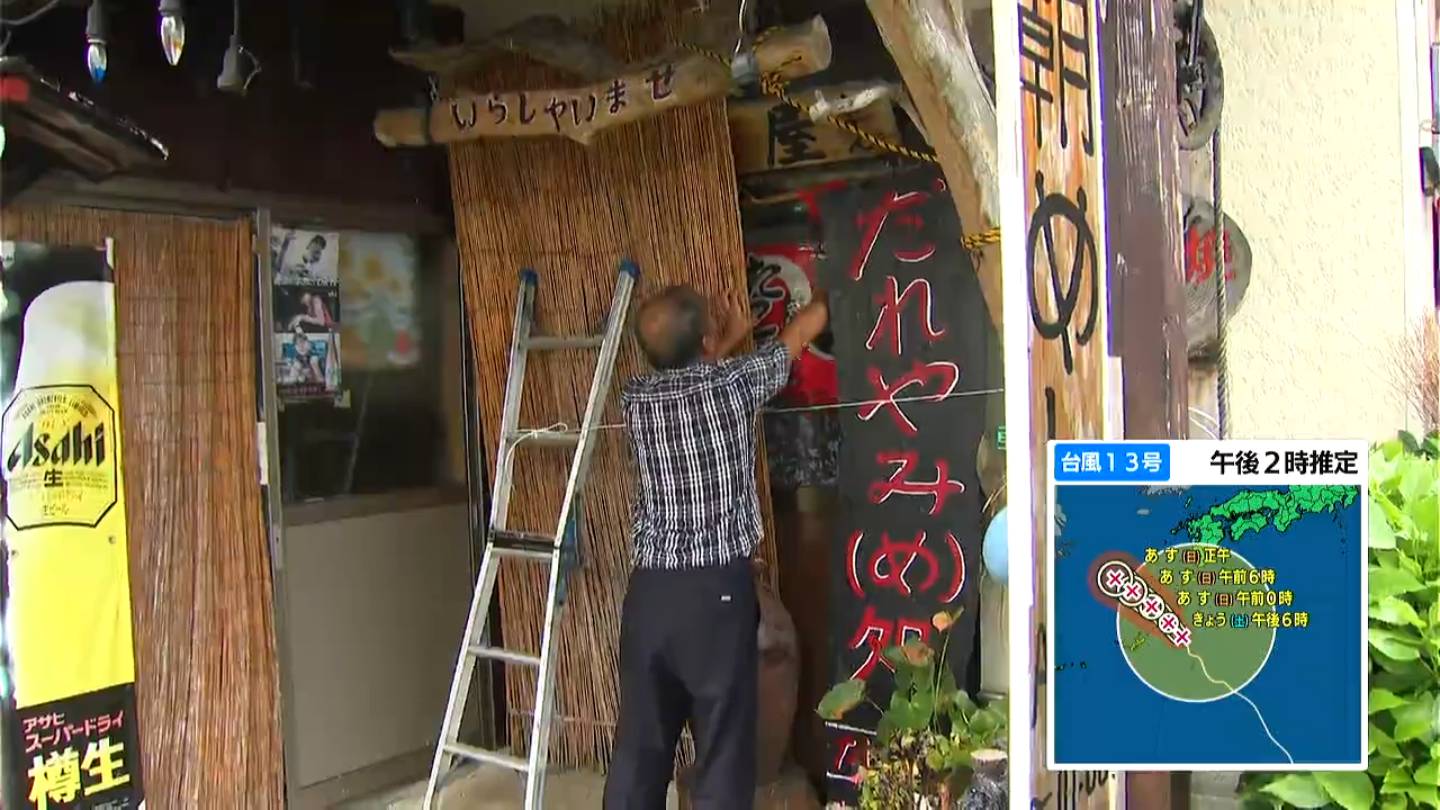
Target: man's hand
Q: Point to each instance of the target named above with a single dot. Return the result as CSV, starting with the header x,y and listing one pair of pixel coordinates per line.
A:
x,y
807,324
736,324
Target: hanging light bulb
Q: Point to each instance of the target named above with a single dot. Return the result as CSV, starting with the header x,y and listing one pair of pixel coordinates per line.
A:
x,y
172,29
97,59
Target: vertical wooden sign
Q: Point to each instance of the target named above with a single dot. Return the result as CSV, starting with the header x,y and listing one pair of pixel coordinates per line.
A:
x,y
911,346
1060,184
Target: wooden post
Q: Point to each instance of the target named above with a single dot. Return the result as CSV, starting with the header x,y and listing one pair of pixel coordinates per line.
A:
x,y
580,113
930,45
1143,216
1143,248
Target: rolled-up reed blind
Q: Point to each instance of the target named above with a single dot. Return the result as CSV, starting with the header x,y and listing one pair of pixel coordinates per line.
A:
x,y
207,680
663,192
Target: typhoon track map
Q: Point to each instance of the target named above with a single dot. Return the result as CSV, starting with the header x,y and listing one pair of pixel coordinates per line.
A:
x,y
1207,626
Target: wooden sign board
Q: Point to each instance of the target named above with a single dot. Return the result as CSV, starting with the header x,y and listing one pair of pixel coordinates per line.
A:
x,y
768,134
908,320
1059,100
580,113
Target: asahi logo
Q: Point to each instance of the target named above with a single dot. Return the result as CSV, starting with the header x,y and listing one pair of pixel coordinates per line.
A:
x,y
81,445
60,466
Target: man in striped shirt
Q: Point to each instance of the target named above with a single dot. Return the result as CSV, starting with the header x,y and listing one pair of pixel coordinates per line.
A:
x,y
688,648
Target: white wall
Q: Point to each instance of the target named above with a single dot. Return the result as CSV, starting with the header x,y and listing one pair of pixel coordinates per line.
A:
x,y
1318,165
376,608
1320,140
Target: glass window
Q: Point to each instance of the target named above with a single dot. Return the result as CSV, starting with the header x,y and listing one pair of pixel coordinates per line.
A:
x,y
366,332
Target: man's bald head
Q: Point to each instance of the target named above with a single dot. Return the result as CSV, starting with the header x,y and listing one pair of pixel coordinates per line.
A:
x,y
672,326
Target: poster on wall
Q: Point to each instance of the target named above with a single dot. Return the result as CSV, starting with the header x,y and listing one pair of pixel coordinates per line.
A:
x,y
307,365
801,445
912,343
306,296
378,273
67,645
304,258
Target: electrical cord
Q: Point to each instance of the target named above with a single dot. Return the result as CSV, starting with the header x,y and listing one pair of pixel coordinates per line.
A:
x,y
31,17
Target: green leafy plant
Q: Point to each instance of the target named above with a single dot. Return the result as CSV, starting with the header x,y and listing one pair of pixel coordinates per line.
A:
x,y
1404,637
928,730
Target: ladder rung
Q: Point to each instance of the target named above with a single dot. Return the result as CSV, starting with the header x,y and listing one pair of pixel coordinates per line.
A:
x,y
552,437
501,654
551,342
523,553
524,545
482,755
506,537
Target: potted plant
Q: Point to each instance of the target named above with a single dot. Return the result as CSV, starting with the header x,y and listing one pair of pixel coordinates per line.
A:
x,y
1404,640
931,737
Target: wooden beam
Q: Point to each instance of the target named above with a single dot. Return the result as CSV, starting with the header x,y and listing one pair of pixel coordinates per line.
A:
x,y
931,46
545,38
580,113
767,134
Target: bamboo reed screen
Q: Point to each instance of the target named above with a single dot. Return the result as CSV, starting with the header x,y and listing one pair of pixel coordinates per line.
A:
x,y
207,682
662,191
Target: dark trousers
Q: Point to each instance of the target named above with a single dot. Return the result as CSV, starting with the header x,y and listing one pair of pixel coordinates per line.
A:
x,y
688,651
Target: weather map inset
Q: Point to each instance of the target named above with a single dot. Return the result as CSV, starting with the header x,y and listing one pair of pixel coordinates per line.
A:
x,y
1207,626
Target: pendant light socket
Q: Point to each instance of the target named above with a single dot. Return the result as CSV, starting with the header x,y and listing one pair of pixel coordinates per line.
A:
x,y
237,70
239,66
97,37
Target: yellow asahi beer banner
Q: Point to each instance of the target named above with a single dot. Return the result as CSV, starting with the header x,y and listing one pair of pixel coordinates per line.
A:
x,y
70,731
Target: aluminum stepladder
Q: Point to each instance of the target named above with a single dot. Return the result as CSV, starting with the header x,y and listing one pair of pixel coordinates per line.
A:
x,y
559,551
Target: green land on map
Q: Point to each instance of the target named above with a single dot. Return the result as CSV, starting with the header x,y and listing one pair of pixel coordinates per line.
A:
x,y
1251,511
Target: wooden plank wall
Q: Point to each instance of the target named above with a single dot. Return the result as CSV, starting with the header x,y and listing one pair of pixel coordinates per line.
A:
x,y
662,191
207,680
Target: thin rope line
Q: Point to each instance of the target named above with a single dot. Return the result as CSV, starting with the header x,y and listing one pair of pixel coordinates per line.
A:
x,y
530,433
562,427
1194,411
1222,296
1208,424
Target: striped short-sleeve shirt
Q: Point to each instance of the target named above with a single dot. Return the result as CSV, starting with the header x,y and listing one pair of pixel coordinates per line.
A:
x,y
692,434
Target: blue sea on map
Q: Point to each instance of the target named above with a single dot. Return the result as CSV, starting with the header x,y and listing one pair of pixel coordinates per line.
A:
x,y
1308,691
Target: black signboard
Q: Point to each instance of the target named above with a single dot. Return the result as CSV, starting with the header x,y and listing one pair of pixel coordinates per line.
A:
x,y
912,344
80,752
